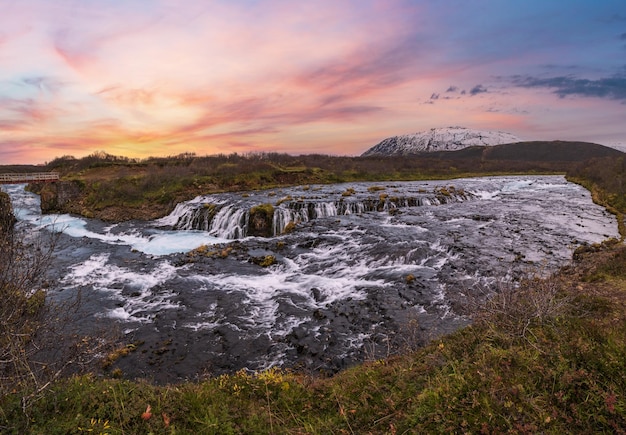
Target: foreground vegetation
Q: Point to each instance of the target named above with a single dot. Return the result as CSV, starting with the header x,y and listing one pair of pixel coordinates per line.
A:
x,y
547,357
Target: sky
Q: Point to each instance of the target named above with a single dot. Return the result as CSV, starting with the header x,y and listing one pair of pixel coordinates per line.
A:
x,y
141,78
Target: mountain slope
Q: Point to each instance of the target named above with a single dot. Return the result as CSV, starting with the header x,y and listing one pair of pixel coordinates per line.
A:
x,y
439,139
536,151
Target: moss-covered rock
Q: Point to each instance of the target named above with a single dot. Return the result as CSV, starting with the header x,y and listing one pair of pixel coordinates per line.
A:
x,y
264,261
261,220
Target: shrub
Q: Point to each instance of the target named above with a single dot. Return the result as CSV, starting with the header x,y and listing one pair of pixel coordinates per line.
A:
x,y
515,309
36,344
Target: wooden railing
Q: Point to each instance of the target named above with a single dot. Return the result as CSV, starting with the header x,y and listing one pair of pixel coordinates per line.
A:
x,y
35,177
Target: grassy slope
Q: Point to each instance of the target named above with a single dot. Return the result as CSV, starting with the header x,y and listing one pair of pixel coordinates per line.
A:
x,y
550,358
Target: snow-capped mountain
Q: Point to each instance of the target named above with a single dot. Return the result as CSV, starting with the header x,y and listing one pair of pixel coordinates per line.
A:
x,y
439,139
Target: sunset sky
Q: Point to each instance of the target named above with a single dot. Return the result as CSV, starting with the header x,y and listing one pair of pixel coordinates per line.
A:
x,y
145,78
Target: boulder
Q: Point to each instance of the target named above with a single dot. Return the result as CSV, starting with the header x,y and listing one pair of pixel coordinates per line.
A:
x,y
261,220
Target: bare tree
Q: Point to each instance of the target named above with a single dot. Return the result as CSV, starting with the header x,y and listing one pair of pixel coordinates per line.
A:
x,y
36,343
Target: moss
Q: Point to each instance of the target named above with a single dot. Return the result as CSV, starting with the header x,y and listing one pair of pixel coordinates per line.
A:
x,y
118,353
200,250
264,261
289,228
225,252
443,191
264,209
349,192
284,199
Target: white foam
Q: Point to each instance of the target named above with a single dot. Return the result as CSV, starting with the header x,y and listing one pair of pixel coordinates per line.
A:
x,y
98,274
486,195
204,322
337,271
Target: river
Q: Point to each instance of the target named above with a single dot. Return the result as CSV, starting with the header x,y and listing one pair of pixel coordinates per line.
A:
x,y
368,268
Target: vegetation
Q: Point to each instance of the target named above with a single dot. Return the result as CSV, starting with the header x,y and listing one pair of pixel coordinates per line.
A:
x,y
264,261
605,178
546,356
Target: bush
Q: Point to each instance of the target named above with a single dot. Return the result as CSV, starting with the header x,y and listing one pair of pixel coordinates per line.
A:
x,y
515,309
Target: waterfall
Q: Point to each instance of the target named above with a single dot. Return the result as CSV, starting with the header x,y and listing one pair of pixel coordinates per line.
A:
x,y
229,218
282,217
227,221
324,209
230,222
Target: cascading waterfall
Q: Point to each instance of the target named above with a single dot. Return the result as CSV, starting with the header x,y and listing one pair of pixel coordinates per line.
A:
x,y
282,218
230,220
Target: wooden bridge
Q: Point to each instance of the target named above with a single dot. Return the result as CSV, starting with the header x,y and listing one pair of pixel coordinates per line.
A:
x,y
33,177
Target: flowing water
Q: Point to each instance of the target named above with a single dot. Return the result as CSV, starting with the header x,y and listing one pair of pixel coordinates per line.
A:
x,y
369,267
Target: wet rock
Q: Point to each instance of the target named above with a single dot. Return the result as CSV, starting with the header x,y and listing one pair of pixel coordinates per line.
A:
x,y
261,220
319,315
317,294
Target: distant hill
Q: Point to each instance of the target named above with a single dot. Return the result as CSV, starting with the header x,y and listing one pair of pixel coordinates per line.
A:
x,y
536,151
439,139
